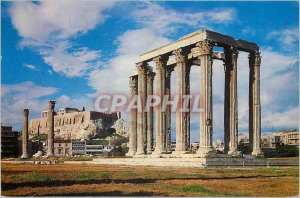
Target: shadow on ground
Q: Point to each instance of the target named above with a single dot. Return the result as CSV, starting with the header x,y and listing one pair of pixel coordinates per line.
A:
x,y
59,183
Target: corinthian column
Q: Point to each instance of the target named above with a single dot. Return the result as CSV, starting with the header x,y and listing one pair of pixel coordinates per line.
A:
x,y
254,103
168,110
188,117
150,78
231,101
50,120
132,134
206,114
181,116
25,134
160,63
141,115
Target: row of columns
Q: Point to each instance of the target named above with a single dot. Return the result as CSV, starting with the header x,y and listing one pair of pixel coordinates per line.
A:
x,y
25,134
141,123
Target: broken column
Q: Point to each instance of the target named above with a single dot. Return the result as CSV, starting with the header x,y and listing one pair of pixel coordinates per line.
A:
x,y
25,134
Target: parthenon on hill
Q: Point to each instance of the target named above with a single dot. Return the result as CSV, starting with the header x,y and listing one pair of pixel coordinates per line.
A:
x,y
193,49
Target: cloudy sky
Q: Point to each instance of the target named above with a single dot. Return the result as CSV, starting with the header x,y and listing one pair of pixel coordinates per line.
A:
x,y
74,51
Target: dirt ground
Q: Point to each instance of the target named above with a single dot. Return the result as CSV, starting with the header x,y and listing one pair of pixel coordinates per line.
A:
x,y
109,180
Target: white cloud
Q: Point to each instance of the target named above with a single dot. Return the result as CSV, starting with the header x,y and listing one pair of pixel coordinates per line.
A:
x,y
40,21
117,70
47,27
30,66
166,20
15,97
288,37
75,63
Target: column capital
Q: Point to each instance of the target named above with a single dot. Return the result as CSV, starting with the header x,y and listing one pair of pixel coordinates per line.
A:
x,y
132,82
180,55
25,112
205,47
160,62
150,77
255,58
169,71
141,68
51,104
231,55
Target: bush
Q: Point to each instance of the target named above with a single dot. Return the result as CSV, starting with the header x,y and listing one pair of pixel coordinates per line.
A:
x,y
283,150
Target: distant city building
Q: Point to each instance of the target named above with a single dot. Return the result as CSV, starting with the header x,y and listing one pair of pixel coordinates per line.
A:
x,y
9,142
78,147
270,140
289,137
62,147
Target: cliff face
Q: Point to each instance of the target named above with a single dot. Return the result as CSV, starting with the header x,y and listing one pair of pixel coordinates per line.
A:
x,y
78,125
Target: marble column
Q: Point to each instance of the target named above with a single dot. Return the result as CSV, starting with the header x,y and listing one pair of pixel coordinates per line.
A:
x,y
133,112
25,134
50,120
168,110
160,63
141,114
231,101
206,114
181,116
150,78
188,117
254,103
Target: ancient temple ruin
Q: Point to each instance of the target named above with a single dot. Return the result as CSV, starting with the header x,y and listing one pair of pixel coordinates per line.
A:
x,y
72,123
196,49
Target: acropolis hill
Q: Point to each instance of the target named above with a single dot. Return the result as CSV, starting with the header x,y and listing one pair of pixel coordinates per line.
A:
x,y
71,123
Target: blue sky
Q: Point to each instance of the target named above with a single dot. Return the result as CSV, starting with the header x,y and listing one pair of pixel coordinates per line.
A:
x,y
72,52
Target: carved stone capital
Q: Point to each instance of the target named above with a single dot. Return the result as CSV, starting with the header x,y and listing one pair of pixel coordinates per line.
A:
x,y
160,62
255,58
150,77
205,47
179,55
231,56
169,72
51,104
132,82
25,112
141,68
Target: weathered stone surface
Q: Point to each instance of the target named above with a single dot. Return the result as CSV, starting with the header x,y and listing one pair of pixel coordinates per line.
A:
x,y
78,125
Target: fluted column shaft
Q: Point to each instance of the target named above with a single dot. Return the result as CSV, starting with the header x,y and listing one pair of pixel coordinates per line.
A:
x,y
50,119
254,103
150,78
25,134
133,82
231,101
181,92
160,63
141,115
168,110
206,114
188,117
